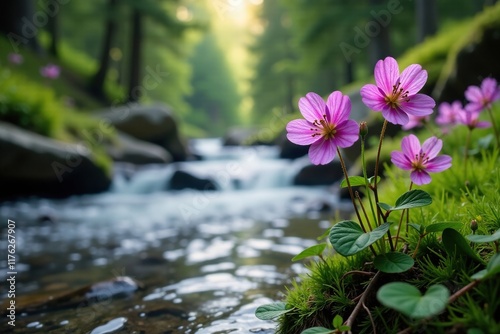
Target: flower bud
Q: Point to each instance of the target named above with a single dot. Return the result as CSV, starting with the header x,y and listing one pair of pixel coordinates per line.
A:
x,y
473,225
363,130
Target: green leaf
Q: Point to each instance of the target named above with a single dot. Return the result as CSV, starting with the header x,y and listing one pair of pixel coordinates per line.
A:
x,y
355,181
492,268
438,227
418,228
315,250
393,262
348,238
344,328
271,311
479,275
371,180
385,206
324,235
484,238
474,331
317,330
412,199
337,321
455,243
407,299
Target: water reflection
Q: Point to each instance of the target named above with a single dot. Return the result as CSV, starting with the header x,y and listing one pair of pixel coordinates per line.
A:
x,y
205,267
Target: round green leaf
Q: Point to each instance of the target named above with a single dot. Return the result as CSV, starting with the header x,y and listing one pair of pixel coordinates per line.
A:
x,y
271,311
412,199
393,262
438,227
348,238
315,250
317,330
484,238
407,299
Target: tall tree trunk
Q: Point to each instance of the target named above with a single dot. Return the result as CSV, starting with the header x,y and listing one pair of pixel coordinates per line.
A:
x,y
17,22
380,46
97,81
53,28
134,91
426,18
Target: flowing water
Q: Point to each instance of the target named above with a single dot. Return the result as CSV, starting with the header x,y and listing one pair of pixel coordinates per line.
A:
x,y
205,260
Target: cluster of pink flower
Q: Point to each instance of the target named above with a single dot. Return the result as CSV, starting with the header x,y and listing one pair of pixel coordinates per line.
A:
x,y
50,71
327,127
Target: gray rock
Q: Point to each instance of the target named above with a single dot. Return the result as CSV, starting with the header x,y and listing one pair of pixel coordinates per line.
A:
x,y
138,152
34,165
183,180
317,175
289,150
152,123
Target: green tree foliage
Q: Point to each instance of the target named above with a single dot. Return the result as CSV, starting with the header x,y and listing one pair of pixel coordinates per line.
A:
x,y
272,86
215,100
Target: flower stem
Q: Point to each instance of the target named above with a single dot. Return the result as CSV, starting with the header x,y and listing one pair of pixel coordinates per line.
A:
x,y
497,136
401,221
367,183
344,170
466,153
375,184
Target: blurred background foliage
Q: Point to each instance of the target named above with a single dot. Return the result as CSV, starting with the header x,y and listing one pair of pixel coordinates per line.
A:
x,y
217,63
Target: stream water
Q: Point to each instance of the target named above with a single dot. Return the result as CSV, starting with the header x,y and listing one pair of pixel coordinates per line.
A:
x,y
205,260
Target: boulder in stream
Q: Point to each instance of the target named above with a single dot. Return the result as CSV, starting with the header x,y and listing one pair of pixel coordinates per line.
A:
x,y
183,180
152,123
137,152
34,165
318,175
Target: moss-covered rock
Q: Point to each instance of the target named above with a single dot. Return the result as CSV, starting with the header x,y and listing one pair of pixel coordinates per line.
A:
x,y
34,165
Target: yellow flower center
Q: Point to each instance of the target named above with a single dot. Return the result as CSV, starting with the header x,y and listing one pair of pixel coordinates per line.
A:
x,y
397,96
420,161
324,129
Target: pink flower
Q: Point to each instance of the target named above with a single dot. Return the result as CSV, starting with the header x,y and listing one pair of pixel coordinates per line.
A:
x,y
421,160
396,95
471,119
325,127
15,58
415,122
482,98
50,71
450,114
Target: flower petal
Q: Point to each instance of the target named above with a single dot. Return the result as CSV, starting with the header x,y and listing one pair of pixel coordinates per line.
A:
x,y
413,78
299,132
386,74
410,145
339,107
347,134
420,177
431,147
419,105
395,116
400,160
439,164
473,94
372,97
322,152
483,124
312,107
489,87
